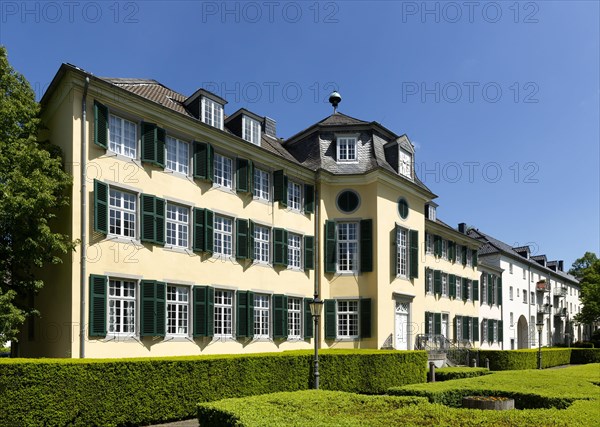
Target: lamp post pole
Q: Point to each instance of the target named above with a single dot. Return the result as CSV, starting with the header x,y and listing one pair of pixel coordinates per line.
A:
x,y
315,310
540,327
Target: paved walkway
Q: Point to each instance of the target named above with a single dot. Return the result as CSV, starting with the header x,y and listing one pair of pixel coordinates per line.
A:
x,y
185,423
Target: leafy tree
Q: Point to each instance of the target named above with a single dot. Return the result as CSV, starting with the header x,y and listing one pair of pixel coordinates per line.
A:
x,y
32,187
582,264
590,294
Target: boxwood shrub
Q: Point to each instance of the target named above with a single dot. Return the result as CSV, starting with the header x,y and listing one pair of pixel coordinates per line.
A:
x,y
454,373
585,355
502,360
114,392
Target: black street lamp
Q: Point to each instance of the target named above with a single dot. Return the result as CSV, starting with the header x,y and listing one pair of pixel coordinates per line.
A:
x,y
315,309
540,327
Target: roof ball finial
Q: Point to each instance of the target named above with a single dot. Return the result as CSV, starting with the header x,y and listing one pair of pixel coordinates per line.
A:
x,y
335,98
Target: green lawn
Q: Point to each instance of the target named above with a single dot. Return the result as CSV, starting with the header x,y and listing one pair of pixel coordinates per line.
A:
x,y
575,388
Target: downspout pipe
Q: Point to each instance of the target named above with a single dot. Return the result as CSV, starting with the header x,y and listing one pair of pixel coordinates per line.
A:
x,y
82,274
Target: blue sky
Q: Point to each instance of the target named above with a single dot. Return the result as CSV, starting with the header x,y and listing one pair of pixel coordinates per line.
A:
x,y
501,99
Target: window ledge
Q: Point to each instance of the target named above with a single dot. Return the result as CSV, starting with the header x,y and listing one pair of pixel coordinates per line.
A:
x,y
347,162
229,190
262,264
298,269
222,257
347,339
179,249
346,273
262,339
178,338
127,240
261,200
223,338
180,175
123,157
121,337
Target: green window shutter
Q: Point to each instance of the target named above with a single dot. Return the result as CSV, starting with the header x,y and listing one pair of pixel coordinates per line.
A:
x,y
437,282
490,331
161,136
100,207
308,320
100,125
203,160
309,198
250,318
208,230
330,319
280,188
251,239
437,246
437,323
452,251
455,329
365,317
242,175
499,281
198,244
475,290
149,136
210,323
309,252
147,217
159,221
474,259
200,311
413,256
490,289
160,309
394,264
465,288
427,330
250,177
452,286
475,323
241,238
280,313
330,250
466,328
147,314
366,245
463,255
280,247
500,331
242,314
97,309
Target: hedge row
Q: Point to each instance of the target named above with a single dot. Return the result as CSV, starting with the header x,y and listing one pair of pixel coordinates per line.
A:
x,y
502,360
111,392
455,373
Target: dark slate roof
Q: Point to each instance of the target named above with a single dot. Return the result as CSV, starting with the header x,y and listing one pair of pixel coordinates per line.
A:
x,y
339,119
493,246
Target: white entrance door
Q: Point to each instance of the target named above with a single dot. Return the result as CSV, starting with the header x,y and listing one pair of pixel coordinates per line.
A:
x,y
445,325
401,342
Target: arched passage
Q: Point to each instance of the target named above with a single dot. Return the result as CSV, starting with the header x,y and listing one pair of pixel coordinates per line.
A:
x,y
522,334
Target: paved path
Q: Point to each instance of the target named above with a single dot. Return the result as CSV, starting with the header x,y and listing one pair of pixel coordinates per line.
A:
x,y
185,423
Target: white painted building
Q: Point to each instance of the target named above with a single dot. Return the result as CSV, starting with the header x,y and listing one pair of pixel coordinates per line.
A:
x,y
493,325
534,290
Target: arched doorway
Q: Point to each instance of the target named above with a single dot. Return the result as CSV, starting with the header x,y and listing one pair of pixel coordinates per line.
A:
x,y
522,335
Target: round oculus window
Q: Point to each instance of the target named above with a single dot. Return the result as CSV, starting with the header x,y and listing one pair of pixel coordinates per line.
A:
x,y
348,201
403,208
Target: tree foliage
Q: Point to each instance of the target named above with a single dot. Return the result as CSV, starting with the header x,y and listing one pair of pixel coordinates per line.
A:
x,y
32,188
590,294
581,264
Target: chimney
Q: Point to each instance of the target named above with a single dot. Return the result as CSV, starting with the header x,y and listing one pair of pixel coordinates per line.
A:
x,y
270,128
561,264
462,227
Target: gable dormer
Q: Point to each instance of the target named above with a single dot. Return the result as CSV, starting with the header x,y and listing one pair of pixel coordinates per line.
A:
x,y
206,107
246,125
431,210
523,251
400,154
540,259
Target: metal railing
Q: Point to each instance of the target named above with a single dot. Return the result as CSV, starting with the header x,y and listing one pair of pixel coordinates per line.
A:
x,y
560,311
544,308
456,353
560,291
542,286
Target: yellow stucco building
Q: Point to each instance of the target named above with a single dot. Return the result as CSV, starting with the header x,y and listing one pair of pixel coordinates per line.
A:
x,y
205,233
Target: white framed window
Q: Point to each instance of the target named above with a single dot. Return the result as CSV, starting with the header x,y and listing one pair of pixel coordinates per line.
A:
x,y
484,286
458,287
223,326
444,249
261,244
178,220
484,330
531,276
405,169
524,274
122,136
347,318
251,130
178,155
428,243
294,318
402,251
459,331
510,293
429,281
431,214
494,285
510,268
262,184
212,113
346,149
294,196
121,307
178,310
495,331
444,285
511,317
261,316
122,213
531,298
469,290
524,297
223,175
294,251
429,323
222,235
469,259
347,247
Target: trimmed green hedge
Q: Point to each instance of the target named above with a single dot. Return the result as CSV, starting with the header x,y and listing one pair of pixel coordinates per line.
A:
x,y
454,373
503,360
114,392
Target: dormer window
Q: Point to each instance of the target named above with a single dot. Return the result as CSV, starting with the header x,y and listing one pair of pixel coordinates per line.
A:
x,y
251,130
212,113
405,164
432,214
346,149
